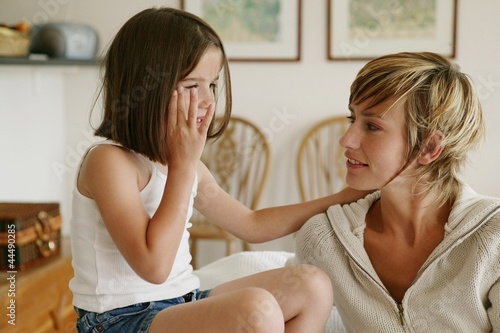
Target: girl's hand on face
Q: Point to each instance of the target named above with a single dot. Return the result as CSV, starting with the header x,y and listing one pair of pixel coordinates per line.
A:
x,y
186,138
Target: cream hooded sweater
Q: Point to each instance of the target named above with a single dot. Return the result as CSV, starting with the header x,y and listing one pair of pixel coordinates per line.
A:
x,y
456,290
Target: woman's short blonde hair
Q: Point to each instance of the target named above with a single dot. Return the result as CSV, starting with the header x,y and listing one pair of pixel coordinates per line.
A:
x,y
437,96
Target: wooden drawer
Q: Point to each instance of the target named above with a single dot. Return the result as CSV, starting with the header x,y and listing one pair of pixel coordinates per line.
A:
x,y
42,297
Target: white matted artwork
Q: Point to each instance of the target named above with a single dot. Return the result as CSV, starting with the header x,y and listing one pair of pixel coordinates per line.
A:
x,y
366,29
253,30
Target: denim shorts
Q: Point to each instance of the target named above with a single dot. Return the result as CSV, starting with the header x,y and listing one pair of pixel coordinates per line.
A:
x,y
130,319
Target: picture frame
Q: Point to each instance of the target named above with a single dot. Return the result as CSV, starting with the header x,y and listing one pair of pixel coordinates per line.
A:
x,y
252,31
366,29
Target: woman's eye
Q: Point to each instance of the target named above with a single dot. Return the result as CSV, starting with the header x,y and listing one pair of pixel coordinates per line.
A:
x,y
350,119
192,86
372,127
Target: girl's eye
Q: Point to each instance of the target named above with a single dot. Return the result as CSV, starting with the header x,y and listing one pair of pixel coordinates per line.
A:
x,y
192,86
350,119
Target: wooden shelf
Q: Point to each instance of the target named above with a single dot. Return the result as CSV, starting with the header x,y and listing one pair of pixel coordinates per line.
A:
x,y
25,61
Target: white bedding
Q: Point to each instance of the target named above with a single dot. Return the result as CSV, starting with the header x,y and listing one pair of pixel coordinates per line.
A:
x,y
246,263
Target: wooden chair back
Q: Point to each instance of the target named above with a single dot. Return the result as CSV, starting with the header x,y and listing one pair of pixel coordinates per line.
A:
x,y
321,166
239,161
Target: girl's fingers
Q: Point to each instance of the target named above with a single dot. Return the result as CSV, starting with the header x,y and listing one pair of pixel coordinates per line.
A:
x,y
183,109
172,110
208,118
193,107
181,105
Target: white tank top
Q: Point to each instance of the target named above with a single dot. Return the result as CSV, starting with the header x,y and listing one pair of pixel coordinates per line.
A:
x,y
103,279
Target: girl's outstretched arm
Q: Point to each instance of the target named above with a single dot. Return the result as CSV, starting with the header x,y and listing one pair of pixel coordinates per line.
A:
x,y
264,224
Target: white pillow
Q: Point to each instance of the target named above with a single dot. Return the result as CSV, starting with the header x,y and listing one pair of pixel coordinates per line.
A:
x,y
239,265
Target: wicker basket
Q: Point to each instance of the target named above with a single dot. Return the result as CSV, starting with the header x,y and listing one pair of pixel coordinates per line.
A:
x,y
13,43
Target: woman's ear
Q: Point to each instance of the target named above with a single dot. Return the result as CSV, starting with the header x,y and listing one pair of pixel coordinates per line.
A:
x,y
432,149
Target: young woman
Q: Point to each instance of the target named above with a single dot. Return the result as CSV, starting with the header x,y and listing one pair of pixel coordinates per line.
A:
x,y
422,254
136,190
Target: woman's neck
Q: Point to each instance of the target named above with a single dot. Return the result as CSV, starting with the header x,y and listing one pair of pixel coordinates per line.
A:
x,y
407,215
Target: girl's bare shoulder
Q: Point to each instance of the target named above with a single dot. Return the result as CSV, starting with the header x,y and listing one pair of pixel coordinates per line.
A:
x,y
110,163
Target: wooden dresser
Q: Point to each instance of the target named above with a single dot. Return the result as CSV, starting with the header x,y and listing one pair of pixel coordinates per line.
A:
x,y
42,297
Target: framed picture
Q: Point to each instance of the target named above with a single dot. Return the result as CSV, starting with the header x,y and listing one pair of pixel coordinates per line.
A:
x,y
366,29
253,30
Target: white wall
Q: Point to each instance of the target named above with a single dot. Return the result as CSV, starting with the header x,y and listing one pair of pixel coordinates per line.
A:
x,y
51,106
32,117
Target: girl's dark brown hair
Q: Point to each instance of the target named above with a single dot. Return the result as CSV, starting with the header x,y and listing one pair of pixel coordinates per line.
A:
x,y
150,54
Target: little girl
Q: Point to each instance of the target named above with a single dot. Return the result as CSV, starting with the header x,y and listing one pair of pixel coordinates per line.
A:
x,y
136,190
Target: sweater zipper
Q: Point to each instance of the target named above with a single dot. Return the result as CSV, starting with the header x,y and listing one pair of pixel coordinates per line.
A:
x,y
401,314
382,287
398,305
